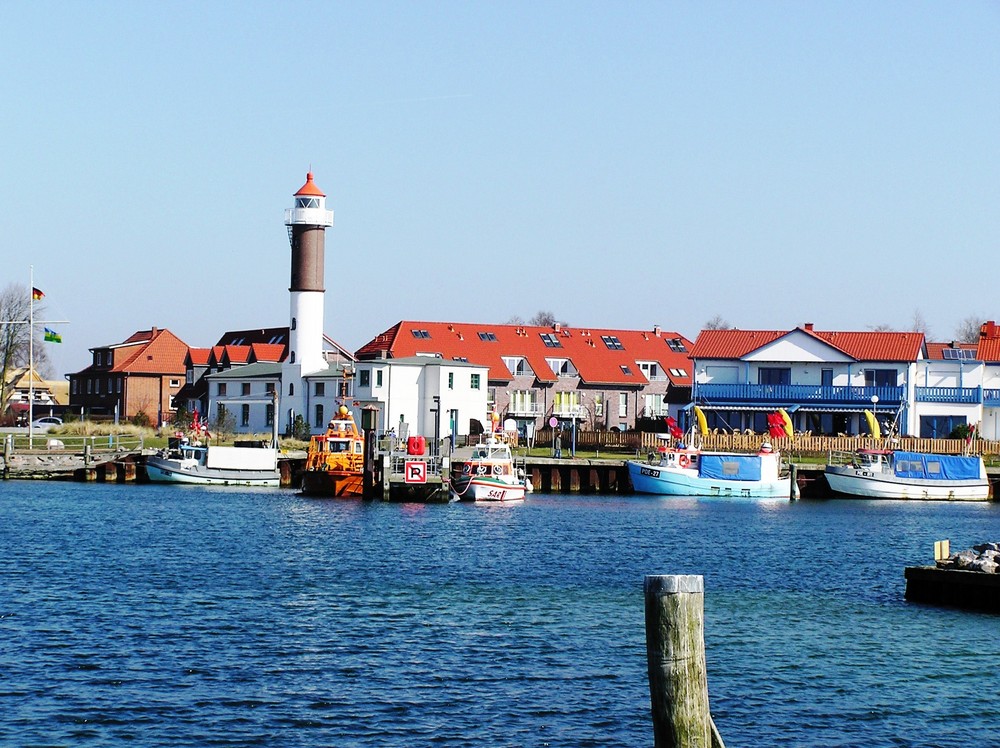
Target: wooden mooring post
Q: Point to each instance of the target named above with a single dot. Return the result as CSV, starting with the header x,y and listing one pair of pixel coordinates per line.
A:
x,y
675,653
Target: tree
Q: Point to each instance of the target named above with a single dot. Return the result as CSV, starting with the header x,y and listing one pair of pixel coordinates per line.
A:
x,y
919,324
884,327
542,318
718,323
968,329
14,337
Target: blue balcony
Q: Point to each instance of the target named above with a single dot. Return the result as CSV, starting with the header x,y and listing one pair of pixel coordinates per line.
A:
x,y
991,398
780,395
960,395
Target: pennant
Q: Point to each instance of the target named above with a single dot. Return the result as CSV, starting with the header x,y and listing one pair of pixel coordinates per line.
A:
x,y
36,294
51,336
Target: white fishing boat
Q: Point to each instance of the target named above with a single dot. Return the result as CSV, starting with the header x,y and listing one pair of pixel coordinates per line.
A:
x,y
218,466
684,471
895,474
490,474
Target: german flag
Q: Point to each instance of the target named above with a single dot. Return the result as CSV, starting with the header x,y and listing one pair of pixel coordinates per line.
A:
x,y
36,294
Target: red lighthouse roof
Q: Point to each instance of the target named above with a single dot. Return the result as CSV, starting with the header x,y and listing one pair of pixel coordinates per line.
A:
x,y
310,188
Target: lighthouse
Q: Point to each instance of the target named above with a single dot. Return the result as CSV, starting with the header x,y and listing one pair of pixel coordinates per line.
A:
x,y
307,223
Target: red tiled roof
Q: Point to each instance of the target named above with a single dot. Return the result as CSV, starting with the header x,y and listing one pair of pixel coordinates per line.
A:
x,y
273,352
235,354
198,356
989,343
935,351
486,344
862,346
156,352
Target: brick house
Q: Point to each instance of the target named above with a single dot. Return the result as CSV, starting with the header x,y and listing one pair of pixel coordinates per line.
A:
x,y
142,374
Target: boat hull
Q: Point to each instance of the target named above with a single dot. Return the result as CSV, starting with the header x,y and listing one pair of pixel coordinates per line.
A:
x,y
161,470
332,484
859,482
486,489
665,481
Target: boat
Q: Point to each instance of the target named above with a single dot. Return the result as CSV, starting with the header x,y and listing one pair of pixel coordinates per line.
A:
x,y
215,466
684,469
689,471
490,474
896,474
335,460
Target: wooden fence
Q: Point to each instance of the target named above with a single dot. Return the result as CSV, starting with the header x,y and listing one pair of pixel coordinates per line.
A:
x,y
642,442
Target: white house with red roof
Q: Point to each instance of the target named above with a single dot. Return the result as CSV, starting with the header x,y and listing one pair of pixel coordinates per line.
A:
x,y
825,380
596,378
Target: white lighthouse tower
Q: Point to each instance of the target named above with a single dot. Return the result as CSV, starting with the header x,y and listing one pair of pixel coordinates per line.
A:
x,y
307,223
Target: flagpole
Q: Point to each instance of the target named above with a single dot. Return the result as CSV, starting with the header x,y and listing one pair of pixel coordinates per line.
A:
x,y
31,357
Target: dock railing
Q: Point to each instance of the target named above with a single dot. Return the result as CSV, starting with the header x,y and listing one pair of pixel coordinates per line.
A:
x,y
42,442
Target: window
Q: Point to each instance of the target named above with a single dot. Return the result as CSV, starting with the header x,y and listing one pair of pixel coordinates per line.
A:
x,y
364,377
320,389
291,358
378,378
516,365
245,388
612,342
343,389
221,389
826,378
599,404
318,421
774,375
463,359
656,405
90,386
562,367
622,404
189,376
550,340
307,202
118,385
72,386
676,345
650,370
293,323
244,415
880,377
474,381
269,388
269,414
451,380
175,383
679,372
487,337
291,388
625,370
421,334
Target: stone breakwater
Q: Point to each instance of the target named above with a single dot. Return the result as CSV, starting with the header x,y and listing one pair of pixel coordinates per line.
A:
x,y
984,558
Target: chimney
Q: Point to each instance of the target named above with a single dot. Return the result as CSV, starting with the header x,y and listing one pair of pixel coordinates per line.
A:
x,y
808,326
152,333
656,330
557,327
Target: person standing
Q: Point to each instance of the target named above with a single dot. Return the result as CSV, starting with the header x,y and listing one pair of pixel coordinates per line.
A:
x,y
557,444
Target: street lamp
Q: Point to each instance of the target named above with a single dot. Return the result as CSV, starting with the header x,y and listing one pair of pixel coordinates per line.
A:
x,y
875,408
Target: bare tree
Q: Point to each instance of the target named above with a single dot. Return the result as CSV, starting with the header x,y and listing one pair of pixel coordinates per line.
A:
x,y
541,319
14,337
919,324
884,327
968,329
718,323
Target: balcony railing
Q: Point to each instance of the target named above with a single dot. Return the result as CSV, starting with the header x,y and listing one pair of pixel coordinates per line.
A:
x,y
802,394
567,411
524,409
964,395
991,397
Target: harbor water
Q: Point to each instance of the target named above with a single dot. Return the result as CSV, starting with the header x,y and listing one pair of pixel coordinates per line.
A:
x,y
186,616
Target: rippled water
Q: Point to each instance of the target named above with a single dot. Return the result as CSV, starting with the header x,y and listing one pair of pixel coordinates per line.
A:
x,y
157,615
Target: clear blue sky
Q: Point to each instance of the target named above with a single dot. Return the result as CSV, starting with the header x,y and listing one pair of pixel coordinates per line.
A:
x,y
620,164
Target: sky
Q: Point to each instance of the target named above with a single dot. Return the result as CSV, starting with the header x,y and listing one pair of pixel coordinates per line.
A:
x,y
620,164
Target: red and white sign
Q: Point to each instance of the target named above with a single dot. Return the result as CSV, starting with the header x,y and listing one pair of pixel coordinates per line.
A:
x,y
415,472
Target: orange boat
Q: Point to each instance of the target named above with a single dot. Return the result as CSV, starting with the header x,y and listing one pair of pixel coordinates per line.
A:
x,y
335,463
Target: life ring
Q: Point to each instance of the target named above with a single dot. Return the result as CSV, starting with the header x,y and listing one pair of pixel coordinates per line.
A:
x,y
683,461
481,470
497,469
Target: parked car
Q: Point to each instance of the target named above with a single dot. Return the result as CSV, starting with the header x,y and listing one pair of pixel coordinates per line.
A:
x,y
46,424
